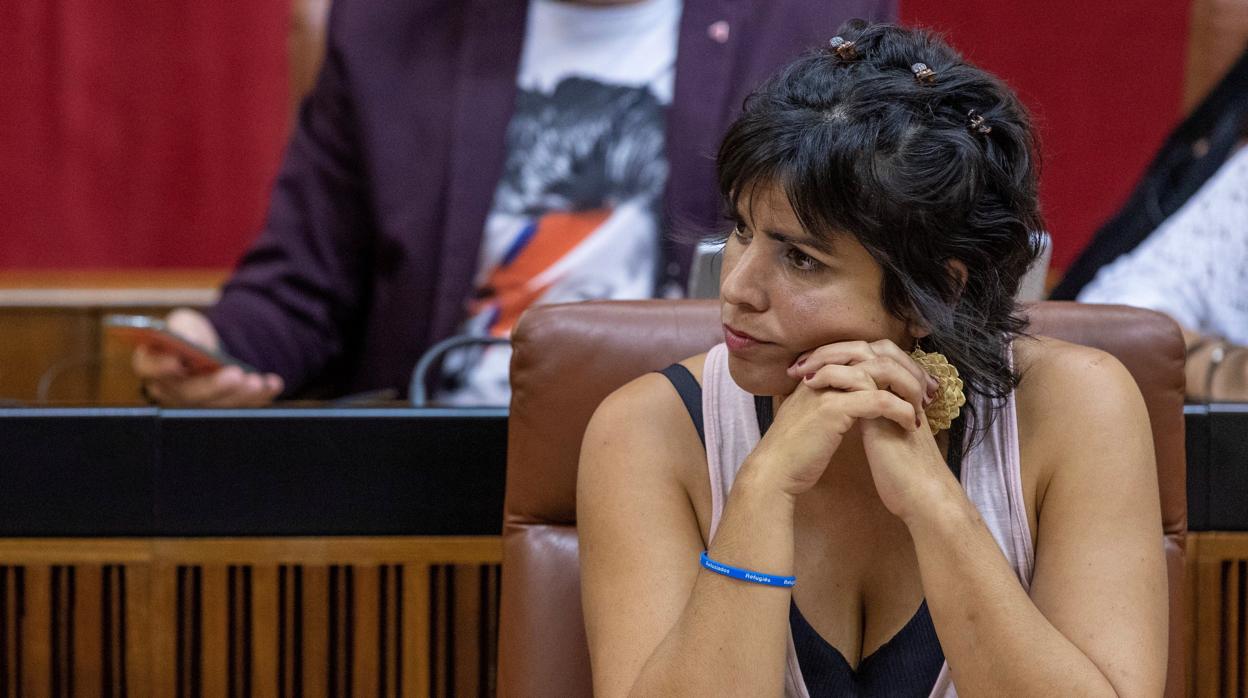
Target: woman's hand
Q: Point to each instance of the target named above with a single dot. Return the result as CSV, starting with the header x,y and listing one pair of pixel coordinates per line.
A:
x,y
840,384
906,464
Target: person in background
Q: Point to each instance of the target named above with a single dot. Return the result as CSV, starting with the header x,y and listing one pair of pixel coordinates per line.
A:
x,y
459,161
879,484
1180,243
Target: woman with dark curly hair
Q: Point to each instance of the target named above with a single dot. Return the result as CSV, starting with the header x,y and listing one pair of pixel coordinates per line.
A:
x,y
886,487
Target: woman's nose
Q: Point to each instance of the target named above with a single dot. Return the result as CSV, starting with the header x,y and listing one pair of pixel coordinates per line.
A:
x,y
742,279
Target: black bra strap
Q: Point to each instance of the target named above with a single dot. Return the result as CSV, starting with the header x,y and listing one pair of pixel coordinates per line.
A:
x,y
690,394
763,413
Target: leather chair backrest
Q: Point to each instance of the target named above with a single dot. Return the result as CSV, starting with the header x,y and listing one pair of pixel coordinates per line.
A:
x,y
567,358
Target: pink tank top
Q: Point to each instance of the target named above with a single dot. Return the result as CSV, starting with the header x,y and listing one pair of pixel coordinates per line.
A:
x,y
990,475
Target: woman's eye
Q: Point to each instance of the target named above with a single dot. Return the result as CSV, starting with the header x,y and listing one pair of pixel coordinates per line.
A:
x,y
800,260
740,234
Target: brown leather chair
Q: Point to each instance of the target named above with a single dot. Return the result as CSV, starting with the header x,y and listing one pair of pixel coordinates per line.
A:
x,y
569,357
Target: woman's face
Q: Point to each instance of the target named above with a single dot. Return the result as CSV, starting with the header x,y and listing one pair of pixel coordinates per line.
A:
x,y
784,292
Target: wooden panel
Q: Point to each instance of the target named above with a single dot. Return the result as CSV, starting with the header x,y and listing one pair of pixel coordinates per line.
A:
x,y
1218,660
264,617
55,347
50,330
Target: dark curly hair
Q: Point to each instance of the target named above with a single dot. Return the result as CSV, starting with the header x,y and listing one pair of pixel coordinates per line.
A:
x,y
862,146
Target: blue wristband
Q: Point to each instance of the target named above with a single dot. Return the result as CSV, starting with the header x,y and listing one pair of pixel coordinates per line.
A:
x,y
770,580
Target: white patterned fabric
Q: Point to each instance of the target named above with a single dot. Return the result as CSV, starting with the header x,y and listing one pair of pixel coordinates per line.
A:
x,y
1194,267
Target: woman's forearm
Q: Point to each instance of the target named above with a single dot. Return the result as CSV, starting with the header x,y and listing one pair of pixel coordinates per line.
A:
x,y
995,640
732,636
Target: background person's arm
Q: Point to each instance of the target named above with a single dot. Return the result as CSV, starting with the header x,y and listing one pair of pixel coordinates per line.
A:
x,y
296,295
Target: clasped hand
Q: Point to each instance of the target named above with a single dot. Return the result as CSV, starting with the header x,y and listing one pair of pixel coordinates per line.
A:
x,y
875,384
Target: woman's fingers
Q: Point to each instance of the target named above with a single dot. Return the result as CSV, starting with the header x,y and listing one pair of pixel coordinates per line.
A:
x,y
838,353
839,377
887,348
876,354
882,373
874,404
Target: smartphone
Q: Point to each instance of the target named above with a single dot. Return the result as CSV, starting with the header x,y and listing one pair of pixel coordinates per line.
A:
x,y
142,330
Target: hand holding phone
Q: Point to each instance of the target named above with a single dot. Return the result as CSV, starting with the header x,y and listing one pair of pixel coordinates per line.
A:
x,y
180,363
156,335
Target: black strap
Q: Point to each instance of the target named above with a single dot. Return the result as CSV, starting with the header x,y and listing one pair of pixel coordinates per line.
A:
x,y
690,394
763,413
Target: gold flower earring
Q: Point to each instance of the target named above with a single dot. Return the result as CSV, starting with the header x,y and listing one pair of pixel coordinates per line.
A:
x,y
949,394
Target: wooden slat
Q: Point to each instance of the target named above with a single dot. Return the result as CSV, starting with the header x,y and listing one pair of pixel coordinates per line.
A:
x,y
366,649
394,631
415,661
1208,627
11,615
49,551
214,624
327,551
139,647
163,628
1232,653
37,649
294,550
465,620
315,611
264,631
87,630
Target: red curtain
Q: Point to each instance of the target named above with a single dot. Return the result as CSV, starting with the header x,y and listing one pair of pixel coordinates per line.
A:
x,y
138,134
147,134
1102,79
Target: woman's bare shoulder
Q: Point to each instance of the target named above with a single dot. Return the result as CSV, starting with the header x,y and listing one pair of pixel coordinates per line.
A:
x,y
1072,396
647,414
649,392
1055,372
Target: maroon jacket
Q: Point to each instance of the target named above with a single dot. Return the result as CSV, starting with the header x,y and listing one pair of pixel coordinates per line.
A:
x,y
371,243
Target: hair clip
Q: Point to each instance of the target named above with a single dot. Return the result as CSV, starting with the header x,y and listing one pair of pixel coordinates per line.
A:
x,y
923,74
977,123
845,50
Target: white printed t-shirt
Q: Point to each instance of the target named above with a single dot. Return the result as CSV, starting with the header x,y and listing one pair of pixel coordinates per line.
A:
x,y
576,214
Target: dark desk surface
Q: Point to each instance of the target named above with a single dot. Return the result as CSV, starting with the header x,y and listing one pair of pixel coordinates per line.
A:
x,y
1217,467
391,471
273,472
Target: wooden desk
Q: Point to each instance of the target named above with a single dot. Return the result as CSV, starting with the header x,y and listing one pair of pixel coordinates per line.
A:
x,y
237,552
52,347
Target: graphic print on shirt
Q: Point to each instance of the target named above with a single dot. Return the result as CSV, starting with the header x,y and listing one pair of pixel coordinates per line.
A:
x,y
575,215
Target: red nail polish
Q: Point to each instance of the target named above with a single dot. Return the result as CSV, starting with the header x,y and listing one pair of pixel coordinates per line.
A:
x,y
801,363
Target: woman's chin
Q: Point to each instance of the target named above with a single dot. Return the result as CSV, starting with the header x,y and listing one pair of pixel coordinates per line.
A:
x,y
760,379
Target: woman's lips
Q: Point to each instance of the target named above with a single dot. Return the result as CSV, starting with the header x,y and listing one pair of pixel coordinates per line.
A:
x,y
739,341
